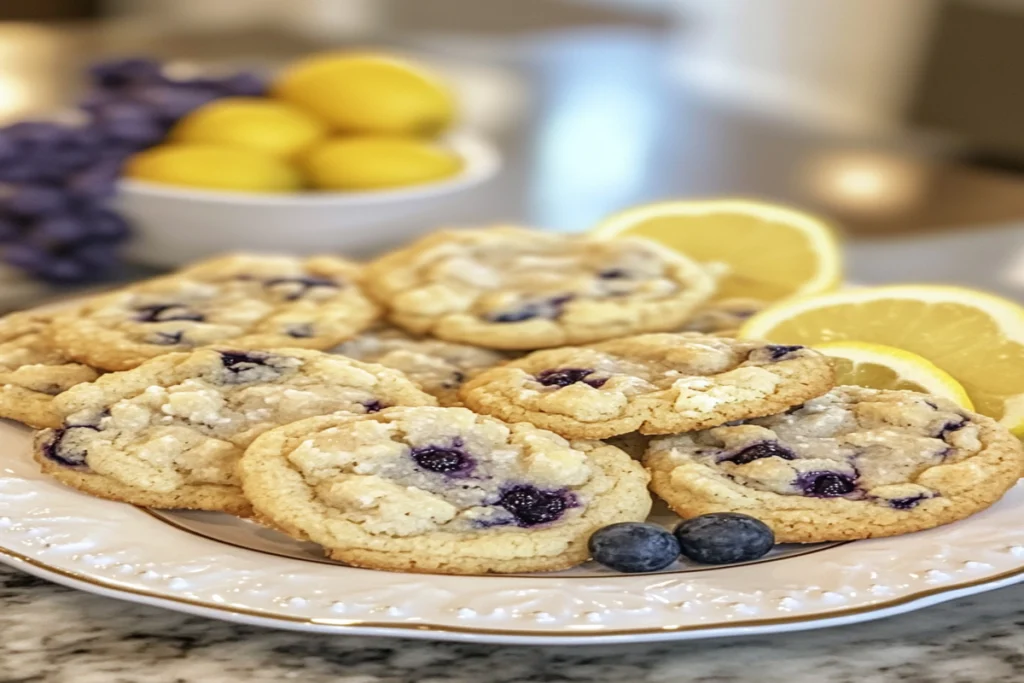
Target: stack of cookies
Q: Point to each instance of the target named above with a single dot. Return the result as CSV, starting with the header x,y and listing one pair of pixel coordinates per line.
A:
x,y
479,401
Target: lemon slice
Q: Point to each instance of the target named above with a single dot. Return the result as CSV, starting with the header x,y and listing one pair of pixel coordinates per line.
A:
x,y
977,338
771,252
885,367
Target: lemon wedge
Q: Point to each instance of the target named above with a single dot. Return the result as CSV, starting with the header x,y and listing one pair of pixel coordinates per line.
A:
x,y
976,337
770,251
877,366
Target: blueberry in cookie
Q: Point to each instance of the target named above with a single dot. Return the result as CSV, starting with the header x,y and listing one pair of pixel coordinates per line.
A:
x,y
513,288
854,463
33,371
169,433
653,383
251,302
440,490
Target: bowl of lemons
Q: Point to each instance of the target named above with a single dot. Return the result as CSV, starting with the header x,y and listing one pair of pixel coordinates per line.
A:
x,y
346,152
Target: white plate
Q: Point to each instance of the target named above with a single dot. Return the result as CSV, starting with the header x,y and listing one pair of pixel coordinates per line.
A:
x,y
216,566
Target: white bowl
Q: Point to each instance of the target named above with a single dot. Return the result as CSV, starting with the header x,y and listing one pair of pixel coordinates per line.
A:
x,y
175,225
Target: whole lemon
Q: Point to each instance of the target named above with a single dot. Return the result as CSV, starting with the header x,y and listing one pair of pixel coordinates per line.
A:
x,y
263,125
374,162
368,94
214,167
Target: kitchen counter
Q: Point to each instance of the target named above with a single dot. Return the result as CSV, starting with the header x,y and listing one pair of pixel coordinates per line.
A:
x,y
55,634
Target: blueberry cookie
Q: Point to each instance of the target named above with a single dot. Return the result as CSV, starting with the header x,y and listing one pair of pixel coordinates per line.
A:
x,y
169,433
32,371
652,383
722,317
855,463
251,302
438,367
441,490
512,288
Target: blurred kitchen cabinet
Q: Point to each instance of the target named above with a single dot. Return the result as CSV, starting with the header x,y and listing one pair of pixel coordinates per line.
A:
x,y
970,82
49,10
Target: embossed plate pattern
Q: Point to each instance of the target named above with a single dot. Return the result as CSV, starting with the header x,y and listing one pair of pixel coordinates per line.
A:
x,y
124,552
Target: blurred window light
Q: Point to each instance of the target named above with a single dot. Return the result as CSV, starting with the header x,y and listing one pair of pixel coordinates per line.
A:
x,y
595,144
864,182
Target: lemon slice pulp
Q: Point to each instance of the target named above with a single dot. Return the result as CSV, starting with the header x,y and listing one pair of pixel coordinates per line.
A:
x,y
975,337
770,251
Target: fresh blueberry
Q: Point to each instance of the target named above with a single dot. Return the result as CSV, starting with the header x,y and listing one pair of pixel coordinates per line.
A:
x,y
444,459
297,287
634,547
299,331
825,484
532,506
764,449
58,451
724,538
563,377
158,313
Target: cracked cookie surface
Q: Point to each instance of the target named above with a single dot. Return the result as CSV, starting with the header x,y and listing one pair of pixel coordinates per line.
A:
x,y
33,371
653,383
513,288
441,490
169,433
440,368
854,463
254,302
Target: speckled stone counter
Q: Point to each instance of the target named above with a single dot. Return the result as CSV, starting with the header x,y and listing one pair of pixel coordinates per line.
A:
x,y
54,634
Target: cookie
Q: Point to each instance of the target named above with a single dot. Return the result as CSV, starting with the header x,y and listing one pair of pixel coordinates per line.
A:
x,y
169,433
441,490
855,463
249,302
723,317
653,383
512,288
437,366
32,371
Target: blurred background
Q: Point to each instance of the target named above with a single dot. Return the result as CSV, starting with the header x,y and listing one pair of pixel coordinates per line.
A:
x,y
902,120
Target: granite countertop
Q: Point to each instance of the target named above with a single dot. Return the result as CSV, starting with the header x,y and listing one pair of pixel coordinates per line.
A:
x,y
55,634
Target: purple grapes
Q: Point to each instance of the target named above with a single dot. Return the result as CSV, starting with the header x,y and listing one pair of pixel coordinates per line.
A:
x,y
243,84
56,179
9,231
123,74
34,200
